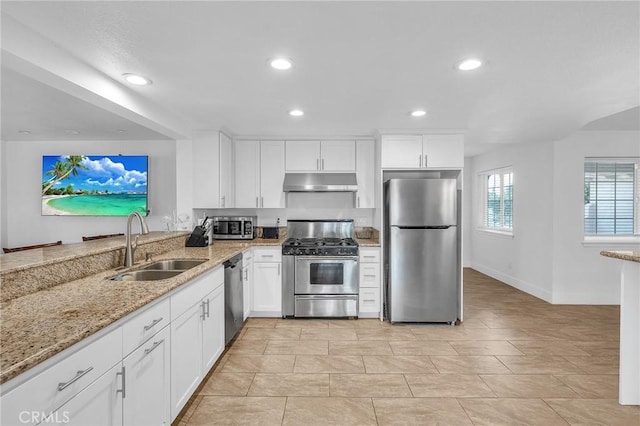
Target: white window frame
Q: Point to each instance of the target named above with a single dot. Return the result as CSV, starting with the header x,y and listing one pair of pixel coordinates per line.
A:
x,y
599,239
482,220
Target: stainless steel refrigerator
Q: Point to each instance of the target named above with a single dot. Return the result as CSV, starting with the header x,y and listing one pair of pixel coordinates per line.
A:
x,y
421,250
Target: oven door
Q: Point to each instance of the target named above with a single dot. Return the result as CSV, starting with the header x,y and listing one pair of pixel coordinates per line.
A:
x,y
326,275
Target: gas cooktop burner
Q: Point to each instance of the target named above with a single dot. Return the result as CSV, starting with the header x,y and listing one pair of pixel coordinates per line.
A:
x,y
321,246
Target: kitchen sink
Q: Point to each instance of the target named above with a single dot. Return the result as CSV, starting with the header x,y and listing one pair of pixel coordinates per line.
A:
x,y
145,275
174,265
159,270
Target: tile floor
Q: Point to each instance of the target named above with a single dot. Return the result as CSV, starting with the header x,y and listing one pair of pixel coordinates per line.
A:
x,y
514,360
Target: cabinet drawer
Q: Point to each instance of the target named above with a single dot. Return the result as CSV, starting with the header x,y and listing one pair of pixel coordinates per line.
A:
x,y
247,256
192,293
369,299
267,255
55,386
369,275
140,328
369,255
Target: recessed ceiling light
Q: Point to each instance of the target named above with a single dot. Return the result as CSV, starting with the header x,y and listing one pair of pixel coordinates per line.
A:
x,y
72,132
121,131
469,64
24,132
281,64
418,113
136,79
296,112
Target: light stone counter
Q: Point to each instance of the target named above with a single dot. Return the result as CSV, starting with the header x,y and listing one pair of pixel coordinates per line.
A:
x,y
38,325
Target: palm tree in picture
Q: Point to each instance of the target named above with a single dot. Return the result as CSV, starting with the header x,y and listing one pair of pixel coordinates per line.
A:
x,y
61,170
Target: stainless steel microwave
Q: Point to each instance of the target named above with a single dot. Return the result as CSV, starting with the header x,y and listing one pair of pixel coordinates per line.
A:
x,y
234,227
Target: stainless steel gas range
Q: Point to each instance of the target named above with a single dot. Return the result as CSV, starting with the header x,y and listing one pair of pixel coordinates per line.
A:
x,y
320,269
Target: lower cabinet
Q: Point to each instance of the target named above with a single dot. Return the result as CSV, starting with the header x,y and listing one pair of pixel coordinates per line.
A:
x,y
267,282
247,282
369,298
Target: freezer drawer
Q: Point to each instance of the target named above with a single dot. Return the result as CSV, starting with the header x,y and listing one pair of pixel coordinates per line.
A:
x,y
327,306
423,275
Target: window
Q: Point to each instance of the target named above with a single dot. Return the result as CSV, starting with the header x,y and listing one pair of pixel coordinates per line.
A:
x,y
497,203
611,192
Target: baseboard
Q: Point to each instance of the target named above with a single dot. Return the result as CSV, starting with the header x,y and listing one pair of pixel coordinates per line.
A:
x,y
583,298
514,282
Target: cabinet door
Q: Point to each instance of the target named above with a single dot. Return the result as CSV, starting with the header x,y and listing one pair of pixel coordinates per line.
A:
x,y
272,174
206,163
226,199
213,328
443,151
402,152
247,277
267,288
365,197
186,356
302,156
97,405
247,173
337,156
147,382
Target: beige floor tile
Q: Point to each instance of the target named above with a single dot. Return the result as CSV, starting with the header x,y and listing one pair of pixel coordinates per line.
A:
x,y
528,386
398,364
191,407
422,347
485,347
239,363
596,364
359,323
261,322
538,364
371,347
386,334
328,364
547,347
600,347
272,334
469,365
231,384
510,411
297,347
473,323
266,384
328,334
448,386
604,386
248,347
596,412
369,385
419,411
302,323
238,411
439,332
329,411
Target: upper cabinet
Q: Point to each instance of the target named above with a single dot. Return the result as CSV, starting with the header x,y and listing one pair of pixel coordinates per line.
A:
x,y
422,151
259,174
317,156
365,155
212,178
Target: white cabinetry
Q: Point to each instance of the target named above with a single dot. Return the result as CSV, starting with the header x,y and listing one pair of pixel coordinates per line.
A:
x,y
369,301
365,197
267,282
259,172
192,324
212,170
247,282
422,151
313,156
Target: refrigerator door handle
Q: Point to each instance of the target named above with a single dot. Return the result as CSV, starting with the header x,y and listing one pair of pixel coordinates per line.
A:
x,y
424,227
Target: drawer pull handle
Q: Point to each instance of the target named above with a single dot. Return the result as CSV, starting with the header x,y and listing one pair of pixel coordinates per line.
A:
x,y
155,345
63,385
369,300
124,379
370,275
207,302
369,257
150,326
266,255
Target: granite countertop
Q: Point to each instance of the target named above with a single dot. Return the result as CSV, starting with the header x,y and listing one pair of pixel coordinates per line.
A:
x,y
372,237
39,325
631,256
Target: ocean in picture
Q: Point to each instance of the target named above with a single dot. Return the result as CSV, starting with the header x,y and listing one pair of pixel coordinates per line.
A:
x,y
85,185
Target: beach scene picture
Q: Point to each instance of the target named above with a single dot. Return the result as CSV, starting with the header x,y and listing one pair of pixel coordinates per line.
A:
x,y
88,185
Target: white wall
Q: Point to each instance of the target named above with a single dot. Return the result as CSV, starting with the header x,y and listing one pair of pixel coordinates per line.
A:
x,y
467,224
546,256
524,260
22,171
580,274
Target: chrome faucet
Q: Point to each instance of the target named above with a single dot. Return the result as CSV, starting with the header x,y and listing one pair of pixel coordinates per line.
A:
x,y
130,248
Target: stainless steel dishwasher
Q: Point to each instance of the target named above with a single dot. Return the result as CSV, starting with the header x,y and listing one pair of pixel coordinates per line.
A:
x,y
233,297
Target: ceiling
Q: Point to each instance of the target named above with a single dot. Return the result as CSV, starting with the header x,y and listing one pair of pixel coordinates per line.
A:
x,y
359,67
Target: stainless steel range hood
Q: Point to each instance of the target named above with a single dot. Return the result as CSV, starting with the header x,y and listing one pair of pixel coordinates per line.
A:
x,y
320,182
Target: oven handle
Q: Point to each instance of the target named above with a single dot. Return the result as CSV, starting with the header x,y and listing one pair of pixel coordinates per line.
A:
x,y
326,296
331,258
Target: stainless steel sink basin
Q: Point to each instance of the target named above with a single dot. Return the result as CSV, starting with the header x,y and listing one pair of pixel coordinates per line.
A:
x,y
173,265
145,275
